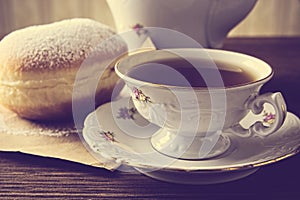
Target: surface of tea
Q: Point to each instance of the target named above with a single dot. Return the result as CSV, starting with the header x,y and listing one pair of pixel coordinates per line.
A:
x,y
180,72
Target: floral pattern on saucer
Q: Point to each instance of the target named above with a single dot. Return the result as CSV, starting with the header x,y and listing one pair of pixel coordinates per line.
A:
x,y
107,135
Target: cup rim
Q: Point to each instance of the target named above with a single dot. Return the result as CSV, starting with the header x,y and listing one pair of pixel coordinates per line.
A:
x,y
138,82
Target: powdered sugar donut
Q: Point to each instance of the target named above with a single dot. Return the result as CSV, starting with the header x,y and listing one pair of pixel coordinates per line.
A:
x,y
38,66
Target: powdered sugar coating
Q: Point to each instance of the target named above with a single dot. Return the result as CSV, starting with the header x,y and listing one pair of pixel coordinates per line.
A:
x,y
63,44
39,66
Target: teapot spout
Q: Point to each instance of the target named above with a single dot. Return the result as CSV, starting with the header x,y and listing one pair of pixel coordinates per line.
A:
x,y
223,16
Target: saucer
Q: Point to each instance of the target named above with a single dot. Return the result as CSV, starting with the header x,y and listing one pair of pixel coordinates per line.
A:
x,y
118,133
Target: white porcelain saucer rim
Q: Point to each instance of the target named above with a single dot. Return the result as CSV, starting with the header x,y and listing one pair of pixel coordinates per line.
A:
x,y
224,168
140,163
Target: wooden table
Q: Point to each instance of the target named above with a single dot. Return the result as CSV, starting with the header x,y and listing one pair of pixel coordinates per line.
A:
x,y
28,177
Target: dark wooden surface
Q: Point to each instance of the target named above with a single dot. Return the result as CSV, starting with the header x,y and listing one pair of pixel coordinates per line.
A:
x,y
30,177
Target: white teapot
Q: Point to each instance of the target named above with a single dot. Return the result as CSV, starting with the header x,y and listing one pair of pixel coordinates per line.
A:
x,y
206,21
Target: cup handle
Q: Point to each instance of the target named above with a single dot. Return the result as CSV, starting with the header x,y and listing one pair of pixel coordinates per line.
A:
x,y
256,105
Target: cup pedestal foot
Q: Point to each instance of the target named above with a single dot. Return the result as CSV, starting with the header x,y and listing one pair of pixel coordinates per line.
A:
x,y
180,146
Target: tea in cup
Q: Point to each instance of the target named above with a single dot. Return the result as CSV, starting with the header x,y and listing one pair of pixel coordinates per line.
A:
x,y
198,96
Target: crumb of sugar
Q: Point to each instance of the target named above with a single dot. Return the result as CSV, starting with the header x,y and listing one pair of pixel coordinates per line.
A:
x,y
11,123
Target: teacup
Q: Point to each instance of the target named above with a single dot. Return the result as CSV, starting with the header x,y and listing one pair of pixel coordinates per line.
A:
x,y
206,21
198,96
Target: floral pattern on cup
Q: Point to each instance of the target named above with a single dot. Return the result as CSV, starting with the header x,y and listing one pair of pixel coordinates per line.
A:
x,y
139,95
269,118
127,113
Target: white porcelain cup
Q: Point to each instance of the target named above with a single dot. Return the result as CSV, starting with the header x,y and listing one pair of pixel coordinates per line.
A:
x,y
206,21
195,121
